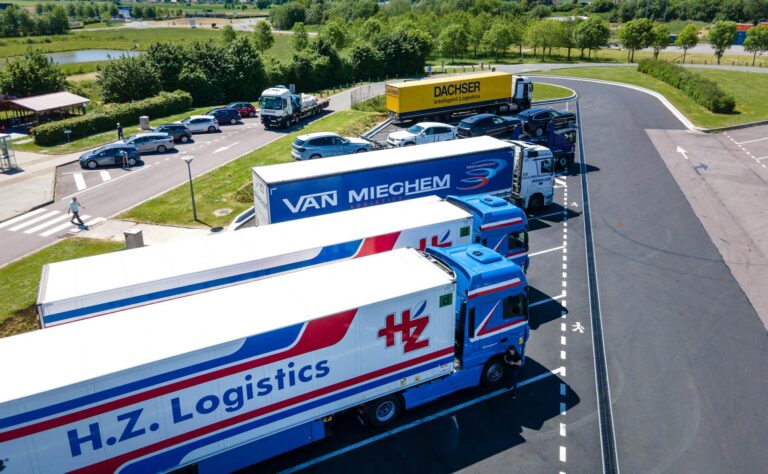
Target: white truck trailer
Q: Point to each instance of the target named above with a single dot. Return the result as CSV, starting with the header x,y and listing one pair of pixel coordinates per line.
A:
x,y
87,287
223,379
279,107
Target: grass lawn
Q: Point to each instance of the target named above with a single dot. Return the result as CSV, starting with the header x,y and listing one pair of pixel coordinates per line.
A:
x,y
99,139
231,185
19,280
549,91
747,88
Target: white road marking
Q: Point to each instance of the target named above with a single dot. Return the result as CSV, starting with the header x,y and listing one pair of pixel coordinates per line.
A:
x,y
762,158
561,182
544,251
562,355
562,389
562,453
47,223
132,173
105,176
79,181
546,300
562,425
545,215
34,220
50,232
562,327
750,141
562,341
560,371
563,408
224,148
22,217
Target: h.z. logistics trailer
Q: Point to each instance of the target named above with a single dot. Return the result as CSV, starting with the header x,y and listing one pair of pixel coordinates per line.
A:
x,y
518,170
92,286
223,379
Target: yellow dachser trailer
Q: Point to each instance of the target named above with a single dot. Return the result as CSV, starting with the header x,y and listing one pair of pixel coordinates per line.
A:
x,y
439,98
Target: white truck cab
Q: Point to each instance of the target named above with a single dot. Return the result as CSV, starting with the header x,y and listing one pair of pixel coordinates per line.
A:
x,y
280,107
533,177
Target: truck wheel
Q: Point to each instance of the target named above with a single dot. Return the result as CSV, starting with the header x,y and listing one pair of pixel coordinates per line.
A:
x,y
562,162
539,131
383,411
536,202
493,372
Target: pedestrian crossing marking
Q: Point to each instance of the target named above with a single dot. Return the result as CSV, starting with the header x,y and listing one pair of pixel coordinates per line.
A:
x,y
34,220
21,217
50,232
47,224
79,181
105,175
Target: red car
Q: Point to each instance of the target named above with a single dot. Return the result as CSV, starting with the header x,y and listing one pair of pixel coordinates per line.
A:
x,y
246,109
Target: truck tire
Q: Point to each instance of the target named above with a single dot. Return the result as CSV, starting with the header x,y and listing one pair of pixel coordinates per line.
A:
x,y
538,132
493,372
383,411
562,162
536,202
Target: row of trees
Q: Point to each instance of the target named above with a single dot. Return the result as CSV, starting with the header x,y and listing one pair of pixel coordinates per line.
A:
x,y
15,21
692,10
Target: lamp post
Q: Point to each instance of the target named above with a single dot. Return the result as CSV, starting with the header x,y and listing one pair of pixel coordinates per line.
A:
x,y
188,161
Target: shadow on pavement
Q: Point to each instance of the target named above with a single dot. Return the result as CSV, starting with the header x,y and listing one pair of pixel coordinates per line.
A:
x,y
547,310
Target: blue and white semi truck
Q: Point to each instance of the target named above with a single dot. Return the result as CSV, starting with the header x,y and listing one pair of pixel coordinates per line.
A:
x,y
224,379
519,171
104,284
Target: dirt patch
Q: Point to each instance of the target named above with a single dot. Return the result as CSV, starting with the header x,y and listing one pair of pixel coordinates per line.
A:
x,y
20,322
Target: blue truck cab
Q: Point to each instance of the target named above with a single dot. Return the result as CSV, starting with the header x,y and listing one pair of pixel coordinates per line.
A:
x,y
498,225
560,138
491,315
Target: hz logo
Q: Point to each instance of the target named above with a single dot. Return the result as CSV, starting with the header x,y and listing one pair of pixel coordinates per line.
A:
x,y
410,329
313,201
436,242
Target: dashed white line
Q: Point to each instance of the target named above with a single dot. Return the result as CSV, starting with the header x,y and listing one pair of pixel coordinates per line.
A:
x,y
562,355
562,389
562,429
750,141
563,408
562,341
562,453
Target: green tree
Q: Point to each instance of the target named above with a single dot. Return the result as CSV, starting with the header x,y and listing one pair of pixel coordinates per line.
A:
x,y
636,34
39,8
299,38
539,35
688,38
453,41
105,17
168,59
564,34
403,51
591,34
365,61
263,39
497,39
284,16
31,74
113,10
477,27
721,37
756,41
335,32
248,77
127,79
228,34
659,39
137,11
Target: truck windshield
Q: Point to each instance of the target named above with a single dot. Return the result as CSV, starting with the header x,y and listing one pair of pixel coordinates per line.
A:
x,y
416,129
271,103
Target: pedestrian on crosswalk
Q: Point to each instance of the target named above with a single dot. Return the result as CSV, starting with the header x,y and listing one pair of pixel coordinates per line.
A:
x,y
119,131
74,209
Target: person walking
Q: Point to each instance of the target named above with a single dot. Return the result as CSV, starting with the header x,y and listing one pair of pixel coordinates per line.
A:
x,y
513,360
74,209
119,131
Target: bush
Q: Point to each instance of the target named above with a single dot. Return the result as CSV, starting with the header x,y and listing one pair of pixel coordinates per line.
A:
x,y
702,90
166,103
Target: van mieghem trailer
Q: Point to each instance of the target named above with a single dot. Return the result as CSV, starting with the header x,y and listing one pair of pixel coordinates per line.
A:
x,y
520,171
103,284
380,334
442,97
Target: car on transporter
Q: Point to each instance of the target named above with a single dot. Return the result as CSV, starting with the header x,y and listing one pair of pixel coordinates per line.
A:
x,y
423,132
536,119
324,144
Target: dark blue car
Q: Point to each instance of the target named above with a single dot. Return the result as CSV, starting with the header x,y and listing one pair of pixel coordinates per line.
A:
x,y
535,120
111,154
487,124
225,115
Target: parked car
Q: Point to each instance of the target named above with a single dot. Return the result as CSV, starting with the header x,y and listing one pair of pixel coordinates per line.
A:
x,y
178,131
487,124
325,144
109,155
225,115
246,109
535,120
201,124
424,132
151,142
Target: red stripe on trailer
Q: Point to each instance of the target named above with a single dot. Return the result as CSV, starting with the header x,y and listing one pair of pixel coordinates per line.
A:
x,y
378,244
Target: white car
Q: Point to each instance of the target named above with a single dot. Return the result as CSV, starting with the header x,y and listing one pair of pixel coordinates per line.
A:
x,y
201,124
424,132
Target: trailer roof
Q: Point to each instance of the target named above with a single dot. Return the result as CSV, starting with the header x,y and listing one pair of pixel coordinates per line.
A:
x,y
60,356
447,79
299,170
75,278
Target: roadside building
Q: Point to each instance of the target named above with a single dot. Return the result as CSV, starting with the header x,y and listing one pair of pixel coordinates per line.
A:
x,y
20,114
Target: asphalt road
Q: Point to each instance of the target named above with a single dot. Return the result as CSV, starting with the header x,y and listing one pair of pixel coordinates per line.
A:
x,y
110,191
686,354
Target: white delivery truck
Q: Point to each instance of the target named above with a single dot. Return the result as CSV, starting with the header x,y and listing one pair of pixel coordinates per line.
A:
x,y
296,190
87,287
223,379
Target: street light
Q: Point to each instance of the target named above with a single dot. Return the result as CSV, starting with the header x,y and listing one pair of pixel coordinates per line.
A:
x,y
188,161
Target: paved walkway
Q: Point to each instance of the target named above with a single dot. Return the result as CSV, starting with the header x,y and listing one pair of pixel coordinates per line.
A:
x,y
114,230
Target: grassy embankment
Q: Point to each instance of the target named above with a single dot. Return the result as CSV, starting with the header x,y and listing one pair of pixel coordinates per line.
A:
x,y
747,88
230,186
20,280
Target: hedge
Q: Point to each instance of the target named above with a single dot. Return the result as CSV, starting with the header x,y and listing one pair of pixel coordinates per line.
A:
x,y
702,90
161,105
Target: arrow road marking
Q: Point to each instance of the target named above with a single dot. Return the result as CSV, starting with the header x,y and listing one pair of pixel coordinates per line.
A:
x,y
682,152
224,148
700,166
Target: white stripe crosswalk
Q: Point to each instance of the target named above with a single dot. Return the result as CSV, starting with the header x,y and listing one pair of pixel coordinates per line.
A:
x,y
46,222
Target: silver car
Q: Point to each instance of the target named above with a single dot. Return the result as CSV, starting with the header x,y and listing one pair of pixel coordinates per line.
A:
x,y
325,144
151,142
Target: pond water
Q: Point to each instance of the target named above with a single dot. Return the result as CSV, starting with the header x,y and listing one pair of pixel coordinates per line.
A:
x,y
88,55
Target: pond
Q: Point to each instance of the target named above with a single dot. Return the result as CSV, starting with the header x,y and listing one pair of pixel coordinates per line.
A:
x,y
89,55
